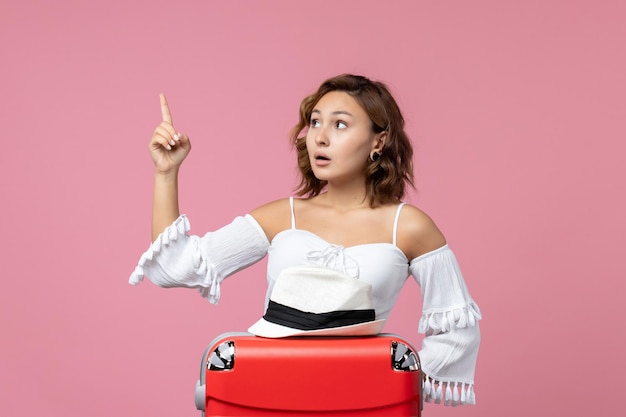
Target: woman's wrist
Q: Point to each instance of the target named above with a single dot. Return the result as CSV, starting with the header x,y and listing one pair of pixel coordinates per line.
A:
x,y
166,176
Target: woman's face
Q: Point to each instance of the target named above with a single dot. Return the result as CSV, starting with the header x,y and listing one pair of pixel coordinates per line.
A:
x,y
340,138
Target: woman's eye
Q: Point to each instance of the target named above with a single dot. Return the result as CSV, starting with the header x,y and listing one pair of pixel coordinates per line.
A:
x,y
341,125
314,123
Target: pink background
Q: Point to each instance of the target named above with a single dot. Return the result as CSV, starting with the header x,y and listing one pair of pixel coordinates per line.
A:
x,y
517,114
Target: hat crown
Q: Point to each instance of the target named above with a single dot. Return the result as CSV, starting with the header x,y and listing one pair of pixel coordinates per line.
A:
x,y
321,290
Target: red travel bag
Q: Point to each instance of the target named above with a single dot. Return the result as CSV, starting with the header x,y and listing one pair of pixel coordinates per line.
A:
x,y
246,375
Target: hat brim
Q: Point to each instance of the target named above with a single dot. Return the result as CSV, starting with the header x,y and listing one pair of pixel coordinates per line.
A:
x,y
264,328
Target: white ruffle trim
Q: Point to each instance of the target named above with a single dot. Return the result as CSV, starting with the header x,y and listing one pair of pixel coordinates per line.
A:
x,y
450,393
454,318
171,233
210,288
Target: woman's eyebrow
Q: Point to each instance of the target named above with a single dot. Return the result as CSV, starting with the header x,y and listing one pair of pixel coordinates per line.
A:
x,y
336,112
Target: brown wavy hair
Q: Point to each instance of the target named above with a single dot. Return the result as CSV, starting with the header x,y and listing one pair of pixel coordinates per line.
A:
x,y
386,178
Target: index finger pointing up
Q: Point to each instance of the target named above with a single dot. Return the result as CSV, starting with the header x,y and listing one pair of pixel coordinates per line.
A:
x,y
165,109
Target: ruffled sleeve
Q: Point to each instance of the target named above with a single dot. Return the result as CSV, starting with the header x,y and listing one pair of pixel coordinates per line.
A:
x,y
450,322
176,259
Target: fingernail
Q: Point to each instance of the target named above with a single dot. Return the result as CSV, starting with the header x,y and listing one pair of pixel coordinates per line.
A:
x,y
168,147
172,142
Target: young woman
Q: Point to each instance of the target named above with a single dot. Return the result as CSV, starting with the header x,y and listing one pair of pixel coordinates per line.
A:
x,y
355,162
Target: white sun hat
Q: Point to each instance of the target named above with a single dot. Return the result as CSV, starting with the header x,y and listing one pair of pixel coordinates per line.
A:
x,y
313,301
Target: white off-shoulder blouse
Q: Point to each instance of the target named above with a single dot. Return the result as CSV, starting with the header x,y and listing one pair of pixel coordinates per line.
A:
x,y
449,317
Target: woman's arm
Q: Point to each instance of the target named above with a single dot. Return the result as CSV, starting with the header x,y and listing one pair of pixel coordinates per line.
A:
x,y
168,150
450,316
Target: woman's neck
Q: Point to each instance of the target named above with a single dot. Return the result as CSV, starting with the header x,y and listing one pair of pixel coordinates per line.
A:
x,y
344,198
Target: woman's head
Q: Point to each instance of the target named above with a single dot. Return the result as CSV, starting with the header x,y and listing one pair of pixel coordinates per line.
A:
x,y
386,177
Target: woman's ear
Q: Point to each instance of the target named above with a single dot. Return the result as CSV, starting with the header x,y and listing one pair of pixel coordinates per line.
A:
x,y
379,142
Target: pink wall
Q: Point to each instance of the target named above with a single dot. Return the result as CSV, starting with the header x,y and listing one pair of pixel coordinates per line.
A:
x,y
517,113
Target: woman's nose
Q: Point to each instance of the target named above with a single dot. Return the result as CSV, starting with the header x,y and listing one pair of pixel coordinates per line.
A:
x,y
321,138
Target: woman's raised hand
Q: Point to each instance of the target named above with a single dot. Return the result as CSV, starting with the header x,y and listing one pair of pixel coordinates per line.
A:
x,y
168,147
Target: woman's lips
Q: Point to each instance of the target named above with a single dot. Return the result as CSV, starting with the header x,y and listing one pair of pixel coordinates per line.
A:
x,y
321,159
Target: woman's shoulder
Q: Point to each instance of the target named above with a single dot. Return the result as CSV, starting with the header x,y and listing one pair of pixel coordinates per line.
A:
x,y
273,217
417,232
